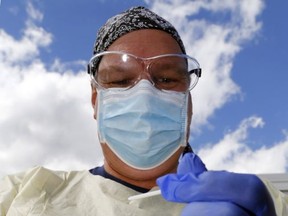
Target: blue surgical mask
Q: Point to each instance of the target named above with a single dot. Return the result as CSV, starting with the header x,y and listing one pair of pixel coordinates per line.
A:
x,y
143,126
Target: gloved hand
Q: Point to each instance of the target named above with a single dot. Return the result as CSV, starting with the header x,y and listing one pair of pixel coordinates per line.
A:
x,y
215,192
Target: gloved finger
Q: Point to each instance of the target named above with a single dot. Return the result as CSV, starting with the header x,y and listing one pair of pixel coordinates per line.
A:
x,y
172,187
190,162
245,190
213,208
165,183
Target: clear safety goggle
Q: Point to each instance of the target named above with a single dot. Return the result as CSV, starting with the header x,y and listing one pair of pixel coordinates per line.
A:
x,y
177,72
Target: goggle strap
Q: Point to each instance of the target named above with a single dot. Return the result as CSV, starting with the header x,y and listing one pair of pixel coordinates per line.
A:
x,y
197,71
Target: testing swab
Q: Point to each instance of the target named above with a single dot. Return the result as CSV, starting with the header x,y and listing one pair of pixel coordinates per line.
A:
x,y
144,195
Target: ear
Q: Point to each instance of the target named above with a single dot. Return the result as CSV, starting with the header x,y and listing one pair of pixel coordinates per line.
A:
x,y
94,98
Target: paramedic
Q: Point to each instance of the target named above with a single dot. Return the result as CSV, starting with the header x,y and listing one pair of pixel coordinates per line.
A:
x,y
141,78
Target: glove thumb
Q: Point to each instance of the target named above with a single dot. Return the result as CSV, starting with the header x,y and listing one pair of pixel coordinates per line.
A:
x,y
190,163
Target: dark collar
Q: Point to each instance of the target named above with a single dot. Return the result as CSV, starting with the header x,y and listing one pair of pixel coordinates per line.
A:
x,y
102,172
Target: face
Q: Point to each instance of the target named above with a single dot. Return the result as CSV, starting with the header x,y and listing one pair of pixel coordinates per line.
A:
x,y
143,43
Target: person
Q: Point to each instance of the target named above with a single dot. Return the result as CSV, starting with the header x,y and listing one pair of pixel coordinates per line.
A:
x,y
141,78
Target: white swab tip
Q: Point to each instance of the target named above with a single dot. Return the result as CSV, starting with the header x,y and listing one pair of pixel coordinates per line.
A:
x,y
145,195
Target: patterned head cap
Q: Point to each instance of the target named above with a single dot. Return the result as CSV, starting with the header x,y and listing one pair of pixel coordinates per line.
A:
x,y
135,18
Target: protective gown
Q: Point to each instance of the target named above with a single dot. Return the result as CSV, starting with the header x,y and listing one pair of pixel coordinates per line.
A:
x,y
41,191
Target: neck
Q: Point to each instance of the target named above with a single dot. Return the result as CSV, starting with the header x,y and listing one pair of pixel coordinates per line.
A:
x,y
136,180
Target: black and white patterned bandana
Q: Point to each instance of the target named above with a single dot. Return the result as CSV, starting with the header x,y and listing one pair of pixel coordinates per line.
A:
x,y
135,18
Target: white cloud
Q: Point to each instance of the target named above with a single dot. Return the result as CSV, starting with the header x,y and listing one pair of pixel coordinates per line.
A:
x,y
232,153
34,13
14,51
46,117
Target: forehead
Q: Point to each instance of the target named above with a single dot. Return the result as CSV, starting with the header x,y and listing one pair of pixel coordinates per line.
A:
x,y
146,43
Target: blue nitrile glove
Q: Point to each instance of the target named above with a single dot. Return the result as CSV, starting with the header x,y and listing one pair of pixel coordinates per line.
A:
x,y
211,192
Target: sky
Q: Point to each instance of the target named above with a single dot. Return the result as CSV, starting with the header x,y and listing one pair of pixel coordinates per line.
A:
x,y
240,107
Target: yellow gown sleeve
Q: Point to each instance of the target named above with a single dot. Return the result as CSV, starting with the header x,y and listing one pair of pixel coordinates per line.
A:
x,y
280,199
9,188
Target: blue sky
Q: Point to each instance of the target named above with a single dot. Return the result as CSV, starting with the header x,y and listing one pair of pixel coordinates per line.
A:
x,y
261,71
240,105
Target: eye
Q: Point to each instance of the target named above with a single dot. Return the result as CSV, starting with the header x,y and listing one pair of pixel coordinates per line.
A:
x,y
120,83
117,81
165,80
115,76
170,79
